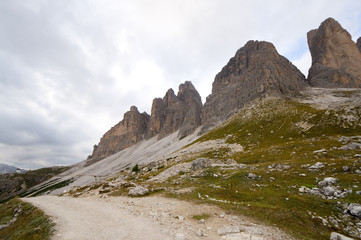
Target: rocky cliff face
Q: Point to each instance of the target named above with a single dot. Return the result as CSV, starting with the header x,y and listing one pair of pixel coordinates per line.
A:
x,y
358,43
172,113
256,69
336,60
124,134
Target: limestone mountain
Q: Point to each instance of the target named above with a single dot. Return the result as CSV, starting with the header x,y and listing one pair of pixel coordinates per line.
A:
x,y
336,59
172,113
124,134
256,70
358,43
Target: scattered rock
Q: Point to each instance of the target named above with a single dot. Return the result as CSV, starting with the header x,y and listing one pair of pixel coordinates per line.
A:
x,y
138,191
252,176
320,151
200,163
329,181
316,166
351,146
354,209
337,236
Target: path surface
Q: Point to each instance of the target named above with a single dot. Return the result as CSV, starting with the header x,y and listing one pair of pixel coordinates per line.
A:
x,y
87,218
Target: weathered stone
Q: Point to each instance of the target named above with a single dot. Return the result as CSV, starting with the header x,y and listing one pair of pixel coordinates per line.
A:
x,y
337,236
336,60
200,163
358,43
126,133
351,146
355,210
329,181
228,230
256,70
138,191
252,176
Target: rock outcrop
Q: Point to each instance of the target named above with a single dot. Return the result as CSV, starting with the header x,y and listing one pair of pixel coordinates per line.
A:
x,y
256,70
172,113
358,43
124,134
336,60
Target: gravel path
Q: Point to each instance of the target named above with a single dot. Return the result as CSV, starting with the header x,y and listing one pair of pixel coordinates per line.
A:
x,y
145,218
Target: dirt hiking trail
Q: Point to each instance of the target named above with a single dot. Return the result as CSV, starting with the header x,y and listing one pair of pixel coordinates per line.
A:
x,y
88,218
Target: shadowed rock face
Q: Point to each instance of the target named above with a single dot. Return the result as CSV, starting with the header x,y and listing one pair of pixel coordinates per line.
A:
x,y
124,134
256,69
336,59
172,113
358,43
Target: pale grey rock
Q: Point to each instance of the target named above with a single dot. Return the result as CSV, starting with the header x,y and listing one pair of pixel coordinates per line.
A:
x,y
200,163
138,191
351,146
329,181
252,176
228,230
316,166
337,236
355,209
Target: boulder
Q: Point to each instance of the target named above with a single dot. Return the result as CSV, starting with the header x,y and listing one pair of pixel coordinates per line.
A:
x,y
228,230
337,236
329,181
336,60
138,191
355,209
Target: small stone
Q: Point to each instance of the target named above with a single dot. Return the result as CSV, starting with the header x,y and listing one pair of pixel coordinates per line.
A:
x,y
252,176
181,218
202,221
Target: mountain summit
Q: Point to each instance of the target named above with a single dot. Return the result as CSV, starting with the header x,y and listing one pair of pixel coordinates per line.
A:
x,y
256,70
336,59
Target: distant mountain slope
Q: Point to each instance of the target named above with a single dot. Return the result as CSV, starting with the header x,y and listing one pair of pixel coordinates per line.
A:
x,y
13,184
9,169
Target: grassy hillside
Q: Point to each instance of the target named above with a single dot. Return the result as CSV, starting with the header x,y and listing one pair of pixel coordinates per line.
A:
x,y
30,223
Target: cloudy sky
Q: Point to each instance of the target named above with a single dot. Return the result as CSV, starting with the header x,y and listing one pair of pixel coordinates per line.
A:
x,y
70,69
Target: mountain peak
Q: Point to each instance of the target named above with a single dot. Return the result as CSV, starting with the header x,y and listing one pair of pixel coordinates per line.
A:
x,y
255,70
336,60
